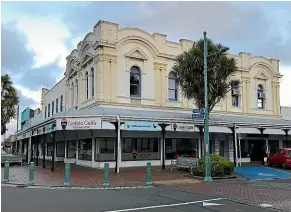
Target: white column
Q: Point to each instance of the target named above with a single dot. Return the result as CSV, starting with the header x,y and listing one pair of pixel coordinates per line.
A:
x,y
66,143
267,147
161,151
118,144
235,146
93,152
77,149
29,148
199,148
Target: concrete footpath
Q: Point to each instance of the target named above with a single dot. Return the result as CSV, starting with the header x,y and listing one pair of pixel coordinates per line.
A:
x,y
148,199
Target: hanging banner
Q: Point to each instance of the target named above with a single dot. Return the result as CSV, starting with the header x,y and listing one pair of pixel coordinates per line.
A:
x,y
141,126
78,123
183,127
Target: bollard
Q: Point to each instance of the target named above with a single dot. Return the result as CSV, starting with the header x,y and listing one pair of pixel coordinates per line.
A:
x,y
67,174
106,172
31,173
6,171
149,174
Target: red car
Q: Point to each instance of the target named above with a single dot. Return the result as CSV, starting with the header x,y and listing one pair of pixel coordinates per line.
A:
x,y
281,158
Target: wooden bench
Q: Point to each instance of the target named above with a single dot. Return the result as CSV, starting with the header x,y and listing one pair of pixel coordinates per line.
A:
x,y
184,163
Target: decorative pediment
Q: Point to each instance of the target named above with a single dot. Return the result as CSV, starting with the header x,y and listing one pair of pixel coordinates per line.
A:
x,y
261,76
137,54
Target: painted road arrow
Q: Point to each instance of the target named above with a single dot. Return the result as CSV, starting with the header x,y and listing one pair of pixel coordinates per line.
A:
x,y
211,204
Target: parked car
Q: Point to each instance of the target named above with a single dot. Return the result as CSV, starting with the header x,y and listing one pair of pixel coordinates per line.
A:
x,y
12,159
281,158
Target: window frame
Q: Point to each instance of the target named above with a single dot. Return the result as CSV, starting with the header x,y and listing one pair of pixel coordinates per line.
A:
x,y
61,103
137,73
57,105
49,108
53,107
260,100
87,85
77,91
173,77
92,82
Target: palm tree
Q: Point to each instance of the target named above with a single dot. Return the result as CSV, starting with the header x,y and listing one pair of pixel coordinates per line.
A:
x,y
189,68
9,101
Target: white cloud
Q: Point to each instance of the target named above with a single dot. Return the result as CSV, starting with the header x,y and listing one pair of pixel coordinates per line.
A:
x,y
31,94
285,86
46,39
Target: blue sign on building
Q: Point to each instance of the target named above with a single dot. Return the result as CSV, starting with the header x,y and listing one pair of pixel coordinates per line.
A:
x,y
198,113
200,110
141,126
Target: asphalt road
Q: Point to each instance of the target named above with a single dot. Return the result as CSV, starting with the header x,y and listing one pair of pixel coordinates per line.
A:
x,y
146,199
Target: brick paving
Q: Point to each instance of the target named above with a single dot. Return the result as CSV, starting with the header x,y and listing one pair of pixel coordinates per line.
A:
x,y
82,176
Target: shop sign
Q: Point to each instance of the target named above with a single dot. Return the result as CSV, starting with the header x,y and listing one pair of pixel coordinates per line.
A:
x,y
183,127
48,128
141,126
78,123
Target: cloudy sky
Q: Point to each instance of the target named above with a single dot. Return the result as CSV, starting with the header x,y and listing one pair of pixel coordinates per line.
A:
x,y
37,36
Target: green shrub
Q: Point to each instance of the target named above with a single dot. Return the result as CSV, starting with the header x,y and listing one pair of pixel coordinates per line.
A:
x,y
220,166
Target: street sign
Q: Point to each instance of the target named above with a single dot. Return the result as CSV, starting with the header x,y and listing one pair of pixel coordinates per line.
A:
x,y
197,116
200,110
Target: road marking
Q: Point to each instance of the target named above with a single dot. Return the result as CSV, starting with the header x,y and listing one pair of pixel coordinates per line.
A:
x,y
211,204
266,205
267,175
164,206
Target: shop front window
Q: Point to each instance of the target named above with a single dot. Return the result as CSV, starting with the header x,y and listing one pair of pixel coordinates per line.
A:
x,y
176,147
60,149
85,149
71,149
49,149
140,149
104,149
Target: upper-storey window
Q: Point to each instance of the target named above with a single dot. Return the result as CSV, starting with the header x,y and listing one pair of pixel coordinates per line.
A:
x,y
45,111
92,82
72,94
135,82
87,85
61,104
77,91
49,110
53,108
235,95
173,87
261,97
57,105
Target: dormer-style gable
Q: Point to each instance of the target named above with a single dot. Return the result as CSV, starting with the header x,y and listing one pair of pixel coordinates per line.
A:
x,y
137,54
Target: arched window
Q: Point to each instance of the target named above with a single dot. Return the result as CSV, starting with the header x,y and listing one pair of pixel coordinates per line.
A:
x,y
261,97
77,91
235,95
135,82
72,94
93,79
173,87
87,85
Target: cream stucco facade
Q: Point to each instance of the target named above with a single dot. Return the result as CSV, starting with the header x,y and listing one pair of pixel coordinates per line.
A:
x,y
111,52
97,84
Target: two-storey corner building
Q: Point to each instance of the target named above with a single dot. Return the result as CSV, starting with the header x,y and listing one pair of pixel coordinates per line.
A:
x,y
120,103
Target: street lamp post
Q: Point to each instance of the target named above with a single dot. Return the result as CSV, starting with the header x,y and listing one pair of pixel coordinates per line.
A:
x,y
206,116
207,177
